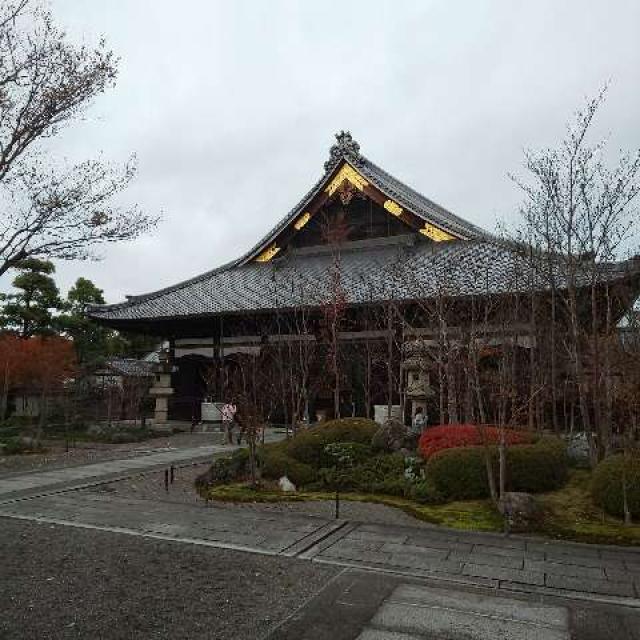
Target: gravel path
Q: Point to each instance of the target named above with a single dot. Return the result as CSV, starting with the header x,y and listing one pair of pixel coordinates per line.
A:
x,y
87,452
95,584
150,486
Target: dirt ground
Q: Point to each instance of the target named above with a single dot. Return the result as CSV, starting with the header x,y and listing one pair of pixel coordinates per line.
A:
x,y
97,584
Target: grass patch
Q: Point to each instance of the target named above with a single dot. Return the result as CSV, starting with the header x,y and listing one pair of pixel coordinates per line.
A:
x,y
571,514
470,515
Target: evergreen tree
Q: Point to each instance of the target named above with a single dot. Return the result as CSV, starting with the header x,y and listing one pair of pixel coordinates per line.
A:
x,y
92,341
29,312
83,294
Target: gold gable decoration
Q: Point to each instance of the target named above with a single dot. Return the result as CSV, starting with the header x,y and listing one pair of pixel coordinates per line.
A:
x,y
436,234
393,207
302,220
351,175
268,254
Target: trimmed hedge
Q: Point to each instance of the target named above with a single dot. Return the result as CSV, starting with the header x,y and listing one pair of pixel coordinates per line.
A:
x,y
308,446
460,474
452,436
540,467
275,463
606,485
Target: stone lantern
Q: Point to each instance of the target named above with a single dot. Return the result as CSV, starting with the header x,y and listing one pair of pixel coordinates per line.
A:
x,y
417,384
161,389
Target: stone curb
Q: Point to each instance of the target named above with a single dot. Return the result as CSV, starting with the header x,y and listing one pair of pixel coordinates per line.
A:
x,y
457,581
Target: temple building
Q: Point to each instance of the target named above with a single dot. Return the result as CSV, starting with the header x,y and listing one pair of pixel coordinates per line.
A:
x,y
360,297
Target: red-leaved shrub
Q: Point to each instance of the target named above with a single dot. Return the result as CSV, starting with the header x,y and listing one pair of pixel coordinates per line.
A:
x,y
450,436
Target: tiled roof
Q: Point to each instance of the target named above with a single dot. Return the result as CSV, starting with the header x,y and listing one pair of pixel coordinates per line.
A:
x,y
428,210
413,268
130,367
407,270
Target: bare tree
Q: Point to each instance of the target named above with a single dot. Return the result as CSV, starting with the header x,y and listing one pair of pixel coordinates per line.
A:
x,y
46,83
577,217
335,232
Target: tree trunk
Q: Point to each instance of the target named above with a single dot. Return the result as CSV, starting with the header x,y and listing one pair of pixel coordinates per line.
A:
x,y
491,481
452,401
4,400
502,452
389,362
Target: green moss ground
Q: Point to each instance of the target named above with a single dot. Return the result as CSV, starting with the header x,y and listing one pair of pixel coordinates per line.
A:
x,y
568,513
571,514
476,515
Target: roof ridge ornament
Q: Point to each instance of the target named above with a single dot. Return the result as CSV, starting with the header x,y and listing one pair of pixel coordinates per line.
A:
x,y
345,147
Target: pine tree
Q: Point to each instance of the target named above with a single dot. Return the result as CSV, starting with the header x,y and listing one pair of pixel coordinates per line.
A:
x,y
29,312
92,341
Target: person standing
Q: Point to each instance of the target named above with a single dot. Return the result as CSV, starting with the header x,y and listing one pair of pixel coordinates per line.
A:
x,y
228,420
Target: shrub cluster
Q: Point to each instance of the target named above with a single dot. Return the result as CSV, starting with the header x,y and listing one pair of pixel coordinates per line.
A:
x,y
425,493
376,474
226,469
275,463
461,474
451,436
607,485
309,446
125,434
543,466
19,444
305,458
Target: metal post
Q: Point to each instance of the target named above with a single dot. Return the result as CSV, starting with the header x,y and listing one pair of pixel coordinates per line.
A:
x,y
337,487
173,471
166,479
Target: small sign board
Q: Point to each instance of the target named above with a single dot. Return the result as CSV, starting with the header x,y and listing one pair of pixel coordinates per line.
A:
x,y
211,411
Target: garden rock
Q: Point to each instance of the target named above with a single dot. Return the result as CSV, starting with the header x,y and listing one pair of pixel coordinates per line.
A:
x,y
392,436
520,509
286,486
578,449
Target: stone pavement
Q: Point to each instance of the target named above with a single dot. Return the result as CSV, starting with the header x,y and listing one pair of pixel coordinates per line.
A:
x,y
358,605
504,564
508,563
423,610
30,483
275,533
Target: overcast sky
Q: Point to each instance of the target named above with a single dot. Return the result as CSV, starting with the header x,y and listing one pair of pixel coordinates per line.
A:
x,y
231,107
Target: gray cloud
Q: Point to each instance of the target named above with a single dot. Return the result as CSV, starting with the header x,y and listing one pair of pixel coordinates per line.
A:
x,y
231,107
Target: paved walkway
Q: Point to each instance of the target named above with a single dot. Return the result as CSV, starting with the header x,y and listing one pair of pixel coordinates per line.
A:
x,y
358,605
500,563
490,560
30,483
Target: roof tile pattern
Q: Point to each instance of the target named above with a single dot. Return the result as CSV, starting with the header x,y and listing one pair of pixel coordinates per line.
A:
x,y
457,268
477,264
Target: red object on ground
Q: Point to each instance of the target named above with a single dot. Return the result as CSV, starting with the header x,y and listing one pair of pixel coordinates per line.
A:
x,y
450,436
